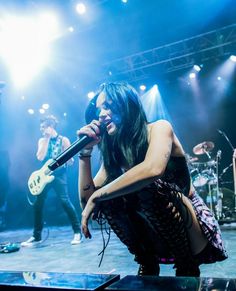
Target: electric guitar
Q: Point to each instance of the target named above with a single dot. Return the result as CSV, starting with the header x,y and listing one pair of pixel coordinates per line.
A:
x,y
40,178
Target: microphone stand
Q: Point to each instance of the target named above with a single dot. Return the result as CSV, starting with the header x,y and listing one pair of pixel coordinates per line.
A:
x,y
219,194
226,137
225,170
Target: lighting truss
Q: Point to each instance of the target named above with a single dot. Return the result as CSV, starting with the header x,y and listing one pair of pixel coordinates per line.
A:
x,y
175,56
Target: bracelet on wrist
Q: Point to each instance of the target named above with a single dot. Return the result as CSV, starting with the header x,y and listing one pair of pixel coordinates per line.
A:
x,y
85,152
84,156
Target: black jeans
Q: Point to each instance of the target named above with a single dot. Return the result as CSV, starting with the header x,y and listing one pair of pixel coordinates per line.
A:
x,y
59,185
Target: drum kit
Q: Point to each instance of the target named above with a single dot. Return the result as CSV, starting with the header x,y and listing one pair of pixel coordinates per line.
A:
x,y
206,181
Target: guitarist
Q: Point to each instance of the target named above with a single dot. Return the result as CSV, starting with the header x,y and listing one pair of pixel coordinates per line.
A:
x,y
50,145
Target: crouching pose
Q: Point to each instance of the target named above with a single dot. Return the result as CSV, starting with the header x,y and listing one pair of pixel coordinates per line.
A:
x,y
143,187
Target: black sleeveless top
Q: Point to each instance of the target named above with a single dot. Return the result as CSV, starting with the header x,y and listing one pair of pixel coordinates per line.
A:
x,y
177,173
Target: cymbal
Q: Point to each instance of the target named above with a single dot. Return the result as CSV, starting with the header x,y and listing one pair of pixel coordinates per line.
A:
x,y
203,147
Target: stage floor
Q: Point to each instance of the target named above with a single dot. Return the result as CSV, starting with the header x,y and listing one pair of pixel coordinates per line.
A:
x,y
56,254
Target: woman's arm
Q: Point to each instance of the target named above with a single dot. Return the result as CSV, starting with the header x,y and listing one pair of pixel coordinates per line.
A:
x,y
153,166
87,184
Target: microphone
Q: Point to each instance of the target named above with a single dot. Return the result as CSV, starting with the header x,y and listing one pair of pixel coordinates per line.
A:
x,y
73,149
220,132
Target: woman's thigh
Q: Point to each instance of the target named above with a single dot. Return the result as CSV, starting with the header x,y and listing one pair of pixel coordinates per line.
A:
x,y
197,238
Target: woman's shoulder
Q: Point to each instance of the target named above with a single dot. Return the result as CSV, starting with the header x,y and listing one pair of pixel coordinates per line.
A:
x,y
161,123
159,128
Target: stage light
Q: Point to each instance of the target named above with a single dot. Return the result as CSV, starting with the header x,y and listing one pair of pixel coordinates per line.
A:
x,y
192,75
64,114
154,89
233,58
71,29
91,94
47,24
221,78
31,111
154,105
45,106
124,1
142,87
24,45
41,111
197,68
81,8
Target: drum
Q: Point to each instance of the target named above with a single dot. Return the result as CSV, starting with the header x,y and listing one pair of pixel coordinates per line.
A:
x,y
199,178
211,176
203,173
210,164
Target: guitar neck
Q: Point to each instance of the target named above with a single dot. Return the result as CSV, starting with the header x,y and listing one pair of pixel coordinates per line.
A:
x,y
70,152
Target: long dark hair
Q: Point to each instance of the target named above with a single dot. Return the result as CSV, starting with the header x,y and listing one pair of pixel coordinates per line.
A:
x,y
128,146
